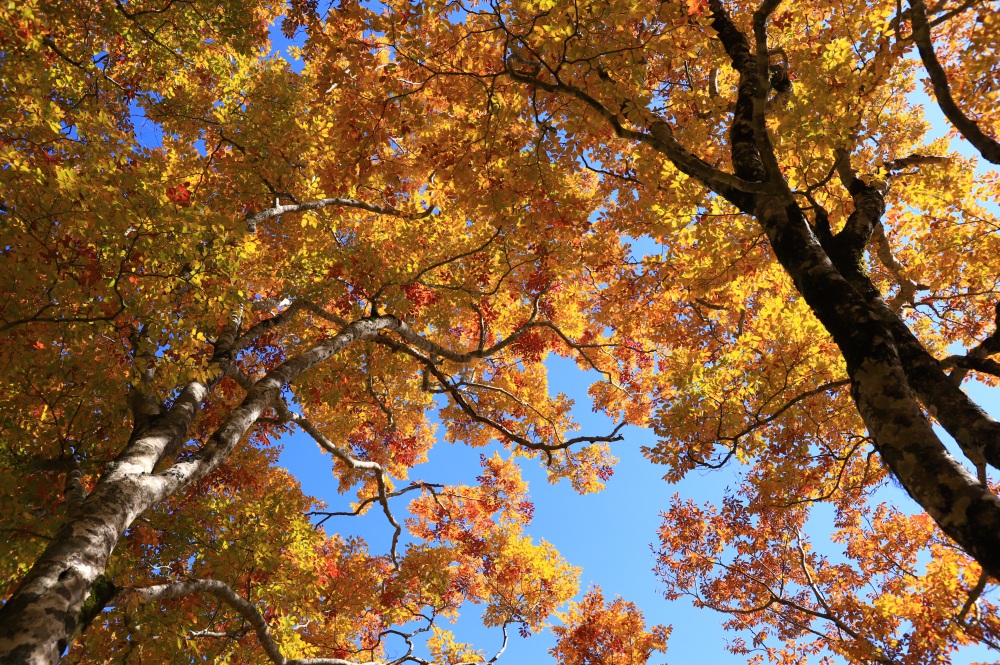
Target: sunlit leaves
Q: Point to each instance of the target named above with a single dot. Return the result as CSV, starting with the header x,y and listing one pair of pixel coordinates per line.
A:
x,y
607,632
502,221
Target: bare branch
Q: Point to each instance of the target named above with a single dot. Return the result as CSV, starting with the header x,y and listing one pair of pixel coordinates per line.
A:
x,y
457,257
431,487
760,422
456,394
352,463
497,655
804,564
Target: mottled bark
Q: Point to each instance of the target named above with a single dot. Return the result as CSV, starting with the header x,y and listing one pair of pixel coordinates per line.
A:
x,y
961,506
43,613
39,619
743,137
883,358
973,429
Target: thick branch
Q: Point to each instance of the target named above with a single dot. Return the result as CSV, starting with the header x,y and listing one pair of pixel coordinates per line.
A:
x,y
282,318
263,395
734,188
984,365
43,612
914,160
763,87
74,492
163,432
849,244
977,434
968,512
988,347
253,220
746,155
159,432
975,431
974,595
222,591
988,147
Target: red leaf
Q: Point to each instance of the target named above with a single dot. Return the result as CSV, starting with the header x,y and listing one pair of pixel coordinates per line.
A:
x,y
696,7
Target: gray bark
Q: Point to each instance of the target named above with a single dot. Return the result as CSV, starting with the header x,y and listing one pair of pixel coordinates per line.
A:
x,y
40,618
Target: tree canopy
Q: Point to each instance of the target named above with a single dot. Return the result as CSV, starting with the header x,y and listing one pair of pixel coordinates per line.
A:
x,y
401,229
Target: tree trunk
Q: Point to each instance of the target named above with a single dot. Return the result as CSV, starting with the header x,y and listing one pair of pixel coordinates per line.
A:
x,y
40,618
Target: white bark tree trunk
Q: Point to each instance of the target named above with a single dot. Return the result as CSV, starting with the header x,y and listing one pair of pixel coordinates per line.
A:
x,y
41,617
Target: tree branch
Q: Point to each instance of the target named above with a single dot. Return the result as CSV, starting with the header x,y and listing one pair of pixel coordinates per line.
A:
x,y
988,347
262,395
353,463
733,188
965,363
222,591
907,287
74,492
759,422
977,434
763,87
869,205
456,394
744,145
253,220
988,147
431,487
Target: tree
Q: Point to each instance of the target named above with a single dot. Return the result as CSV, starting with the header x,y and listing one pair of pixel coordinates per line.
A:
x,y
437,201
178,307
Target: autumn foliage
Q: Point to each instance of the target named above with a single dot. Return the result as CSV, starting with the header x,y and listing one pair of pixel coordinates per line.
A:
x,y
733,217
614,633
